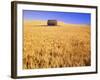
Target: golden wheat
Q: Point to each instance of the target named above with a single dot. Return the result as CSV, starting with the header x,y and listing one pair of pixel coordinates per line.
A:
x,y
66,45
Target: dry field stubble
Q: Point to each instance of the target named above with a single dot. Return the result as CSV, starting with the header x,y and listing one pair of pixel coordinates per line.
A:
x,y
65,45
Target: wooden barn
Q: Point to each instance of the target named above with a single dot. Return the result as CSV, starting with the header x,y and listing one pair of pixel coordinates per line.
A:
x,y
52,22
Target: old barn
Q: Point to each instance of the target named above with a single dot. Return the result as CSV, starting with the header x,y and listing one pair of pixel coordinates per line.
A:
x,y
52,22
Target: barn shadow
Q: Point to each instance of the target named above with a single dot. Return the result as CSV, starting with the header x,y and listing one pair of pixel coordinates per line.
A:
x,y
47,26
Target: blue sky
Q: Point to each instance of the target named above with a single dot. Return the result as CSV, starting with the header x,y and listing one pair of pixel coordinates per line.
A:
x,y
67,17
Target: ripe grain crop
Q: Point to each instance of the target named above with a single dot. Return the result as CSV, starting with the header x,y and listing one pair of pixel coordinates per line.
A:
x,y
66,45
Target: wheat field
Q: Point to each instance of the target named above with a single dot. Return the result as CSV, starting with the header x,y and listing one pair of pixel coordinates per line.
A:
x,y
65,45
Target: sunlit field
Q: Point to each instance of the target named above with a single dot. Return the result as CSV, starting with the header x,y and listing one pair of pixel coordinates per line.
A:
x,y
64,45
